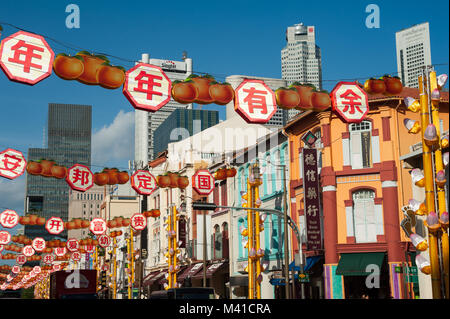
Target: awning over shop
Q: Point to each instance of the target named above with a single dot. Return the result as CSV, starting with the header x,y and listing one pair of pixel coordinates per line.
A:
x,y
211,270
191,271
355,264
158,276
146,280
310,261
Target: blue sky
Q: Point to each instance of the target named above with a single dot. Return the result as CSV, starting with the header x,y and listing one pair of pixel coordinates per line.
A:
x,y
223,38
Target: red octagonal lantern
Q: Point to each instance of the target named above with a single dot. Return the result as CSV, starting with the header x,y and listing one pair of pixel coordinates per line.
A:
x,y
254,101
12,163
9,218
203,182
98,226
143,182
80,178
147,87
54,225
350,102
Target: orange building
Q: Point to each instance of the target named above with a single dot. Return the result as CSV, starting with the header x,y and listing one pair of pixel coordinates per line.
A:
x,y
365,181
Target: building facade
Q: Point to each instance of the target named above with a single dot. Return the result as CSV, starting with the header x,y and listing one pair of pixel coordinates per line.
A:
x,y
413,52
301,57
147,122
181,124
68,143
365,181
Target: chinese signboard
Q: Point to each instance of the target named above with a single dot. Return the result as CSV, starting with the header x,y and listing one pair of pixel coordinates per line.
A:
x,y
143,182
254,101
350,102
203,182
147,87
12,163
311,199
26,57
182,232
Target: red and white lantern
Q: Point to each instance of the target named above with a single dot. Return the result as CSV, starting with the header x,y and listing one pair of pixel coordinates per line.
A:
x,y
54,225
350,102
143,182
12,163
98,226
138,221
80,178
203,182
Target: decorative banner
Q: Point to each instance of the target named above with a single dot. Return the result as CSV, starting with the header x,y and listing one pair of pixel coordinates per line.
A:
x,y
75,256
138,221
48,259
311,199
350,102
28,251
12,163
98,226
60,251
203,182
104,241
21,259
26,58
9,218
147,87
255,102
80,178
38,244
5,237
15,269
72,245
54,225
143,182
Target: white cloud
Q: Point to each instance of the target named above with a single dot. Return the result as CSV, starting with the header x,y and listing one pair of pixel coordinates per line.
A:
x,y
12,193
113,144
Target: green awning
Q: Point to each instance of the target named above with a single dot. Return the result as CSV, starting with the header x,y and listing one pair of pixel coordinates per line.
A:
x,y
355,264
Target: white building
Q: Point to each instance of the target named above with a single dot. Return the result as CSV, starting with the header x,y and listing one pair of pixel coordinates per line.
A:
x,y
147,122
301,58
413,52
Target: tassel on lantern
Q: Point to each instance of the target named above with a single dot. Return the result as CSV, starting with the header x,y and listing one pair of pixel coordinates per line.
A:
x,y
443,219
432,222
430,135
412,104
417,177
440,178
423,264
412,126
419,242
441,80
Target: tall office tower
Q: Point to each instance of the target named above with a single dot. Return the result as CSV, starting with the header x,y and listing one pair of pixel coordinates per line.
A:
x,y
280,118
301,58
413,52
182,124
146,122
68,143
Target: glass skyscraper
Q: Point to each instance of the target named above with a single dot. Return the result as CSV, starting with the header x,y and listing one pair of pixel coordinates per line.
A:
x,y
68,143
181,124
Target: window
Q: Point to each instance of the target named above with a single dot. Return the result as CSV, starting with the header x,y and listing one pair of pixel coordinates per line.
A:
x,y
364,216
278,171
269,174
360,150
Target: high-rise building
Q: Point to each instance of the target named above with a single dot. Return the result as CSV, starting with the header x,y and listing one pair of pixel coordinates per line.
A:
x,y
181,124
301,58
280,118
147,122
413,52
68,143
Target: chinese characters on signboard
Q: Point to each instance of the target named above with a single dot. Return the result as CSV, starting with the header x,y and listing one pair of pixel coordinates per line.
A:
x,y
311,199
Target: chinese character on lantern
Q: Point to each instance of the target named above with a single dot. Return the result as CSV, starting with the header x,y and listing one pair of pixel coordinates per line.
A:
x,y
28,250
147,87
26,57
75,256
60,251
72,245
12,163
138,221
9,218
5,237
80,178
104,241
255,102
48,259
350,101
97,226
143,182
54,225
38,244
21,259
203,182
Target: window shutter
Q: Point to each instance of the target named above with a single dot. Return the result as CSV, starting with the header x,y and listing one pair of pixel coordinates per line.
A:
x,y
371,225
359,221
356,150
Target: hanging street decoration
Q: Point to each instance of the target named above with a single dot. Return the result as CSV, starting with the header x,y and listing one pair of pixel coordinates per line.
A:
x,y
12,163
26,57
203,182
54,225
111,176
104,241
5,237
75,256
28,251
143,182
72,245
48,259
224,173
138,222
46,168
80,178
91,65
386,85
147,87
98,226
9,218
38,244
21,259
350,102
255,102
60,251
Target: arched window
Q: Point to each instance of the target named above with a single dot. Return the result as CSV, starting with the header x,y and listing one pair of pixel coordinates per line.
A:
x,y
360,150
364,216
